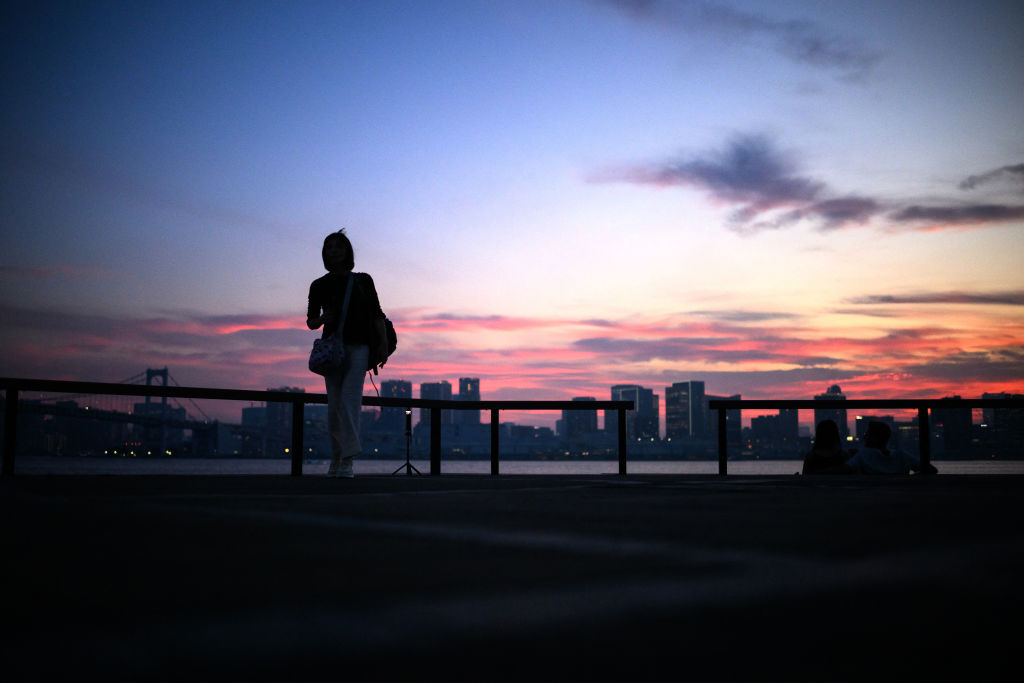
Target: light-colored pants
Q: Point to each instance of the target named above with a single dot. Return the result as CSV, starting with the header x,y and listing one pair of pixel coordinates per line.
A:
x,y
345,403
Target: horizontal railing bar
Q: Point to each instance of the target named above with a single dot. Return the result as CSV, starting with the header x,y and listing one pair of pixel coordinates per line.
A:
x,y
13,385
108,388
905,403
112,389
455,404
77,387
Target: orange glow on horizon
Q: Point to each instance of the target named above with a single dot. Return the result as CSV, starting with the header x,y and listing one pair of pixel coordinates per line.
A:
x,y
552,358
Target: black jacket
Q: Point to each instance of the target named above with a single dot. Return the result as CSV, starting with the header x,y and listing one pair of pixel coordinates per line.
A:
x,y
328,293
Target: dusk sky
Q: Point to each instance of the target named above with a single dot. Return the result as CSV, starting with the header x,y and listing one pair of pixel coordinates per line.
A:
x,y
554,196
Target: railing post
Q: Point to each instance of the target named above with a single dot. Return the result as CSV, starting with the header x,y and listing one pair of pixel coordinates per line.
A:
x,y
298,422
924,438
723,448
495,430
435,441
622,441
10,431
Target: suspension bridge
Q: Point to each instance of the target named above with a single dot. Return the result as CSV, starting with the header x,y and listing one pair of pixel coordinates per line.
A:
x,y
126,408
152,424
156,423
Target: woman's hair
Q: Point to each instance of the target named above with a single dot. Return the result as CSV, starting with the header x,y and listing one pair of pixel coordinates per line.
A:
x,y
350,260
826,434
878,433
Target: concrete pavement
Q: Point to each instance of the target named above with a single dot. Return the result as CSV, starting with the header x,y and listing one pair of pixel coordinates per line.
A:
x,y
643,577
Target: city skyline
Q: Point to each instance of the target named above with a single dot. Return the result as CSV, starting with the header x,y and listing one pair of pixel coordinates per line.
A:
x,y
75,425
553,197
657,405
679,411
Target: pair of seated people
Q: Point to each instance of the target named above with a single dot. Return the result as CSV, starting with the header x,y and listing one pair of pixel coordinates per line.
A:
x,y
828,457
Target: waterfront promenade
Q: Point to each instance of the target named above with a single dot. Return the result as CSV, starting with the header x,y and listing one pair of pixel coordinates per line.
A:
x,y
518,577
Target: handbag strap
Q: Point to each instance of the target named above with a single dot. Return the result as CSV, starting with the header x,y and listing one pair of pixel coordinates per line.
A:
x,y
344,306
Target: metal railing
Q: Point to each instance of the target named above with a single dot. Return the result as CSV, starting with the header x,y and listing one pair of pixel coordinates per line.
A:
x,y
12,386
922,405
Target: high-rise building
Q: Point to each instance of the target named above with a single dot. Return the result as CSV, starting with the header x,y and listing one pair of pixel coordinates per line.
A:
x,y
253,432
643,421
392,420
436,391
576,423
469,390
774,433
279,424
897,431
838,415
652,429
1004,421
953,425
685,410
789,426
733,423
316,436
1003,428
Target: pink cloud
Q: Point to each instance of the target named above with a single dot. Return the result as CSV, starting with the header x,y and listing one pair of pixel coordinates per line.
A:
x,y
758,356
221,325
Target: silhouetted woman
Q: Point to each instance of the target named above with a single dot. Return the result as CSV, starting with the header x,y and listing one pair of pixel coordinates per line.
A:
x,y
364,325
826,455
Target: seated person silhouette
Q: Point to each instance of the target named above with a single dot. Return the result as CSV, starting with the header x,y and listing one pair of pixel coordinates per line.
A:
x,y
875,458
827,455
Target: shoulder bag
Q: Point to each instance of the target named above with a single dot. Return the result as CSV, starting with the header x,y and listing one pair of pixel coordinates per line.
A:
x,y
390,343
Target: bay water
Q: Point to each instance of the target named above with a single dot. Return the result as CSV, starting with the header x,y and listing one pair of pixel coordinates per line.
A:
x,y
379,466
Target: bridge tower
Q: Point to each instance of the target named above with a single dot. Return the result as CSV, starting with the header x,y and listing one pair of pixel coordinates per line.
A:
x,y
162,375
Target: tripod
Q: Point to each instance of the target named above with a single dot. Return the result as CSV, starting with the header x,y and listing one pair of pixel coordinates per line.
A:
x,y
408,466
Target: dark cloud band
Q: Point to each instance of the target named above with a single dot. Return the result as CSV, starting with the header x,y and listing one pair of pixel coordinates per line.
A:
x,y
969,214
800,41
1013,298
1015,172
767,191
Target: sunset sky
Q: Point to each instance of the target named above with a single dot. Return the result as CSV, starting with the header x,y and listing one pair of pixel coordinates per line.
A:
x,y
554,196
